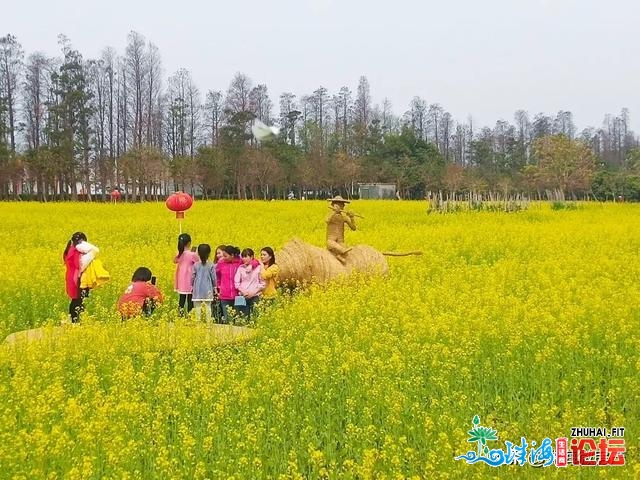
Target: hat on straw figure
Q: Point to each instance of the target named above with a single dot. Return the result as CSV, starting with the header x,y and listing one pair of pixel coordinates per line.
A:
x,y
338,199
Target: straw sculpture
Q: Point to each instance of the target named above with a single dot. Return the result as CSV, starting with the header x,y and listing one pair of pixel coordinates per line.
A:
x,y
302,263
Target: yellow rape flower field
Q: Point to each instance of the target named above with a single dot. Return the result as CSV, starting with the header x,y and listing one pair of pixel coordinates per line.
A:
x,y
529,320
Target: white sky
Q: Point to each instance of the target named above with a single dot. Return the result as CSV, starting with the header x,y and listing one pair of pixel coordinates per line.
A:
x,y
481,58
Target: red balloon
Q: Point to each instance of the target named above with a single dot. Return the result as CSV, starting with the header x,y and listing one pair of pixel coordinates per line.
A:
x,y
179,202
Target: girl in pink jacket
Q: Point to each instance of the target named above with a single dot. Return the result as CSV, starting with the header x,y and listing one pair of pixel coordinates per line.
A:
x,y
185,259
225,274
249,282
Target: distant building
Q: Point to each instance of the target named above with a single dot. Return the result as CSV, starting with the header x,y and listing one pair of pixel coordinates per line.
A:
x,y
377,191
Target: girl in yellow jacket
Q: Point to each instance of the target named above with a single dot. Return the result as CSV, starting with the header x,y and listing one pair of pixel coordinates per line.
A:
x,y
269,272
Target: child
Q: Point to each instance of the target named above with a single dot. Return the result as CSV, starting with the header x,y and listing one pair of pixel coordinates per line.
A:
x,y
219,254
248,282
225,274
216,307
88,252
204,282
71,258
185,260
93,273
140,297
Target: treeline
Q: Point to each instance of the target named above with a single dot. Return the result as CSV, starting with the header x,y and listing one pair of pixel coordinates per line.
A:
x,y
74,128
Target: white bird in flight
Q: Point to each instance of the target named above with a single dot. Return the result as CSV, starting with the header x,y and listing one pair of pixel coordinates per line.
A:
x,y
263,132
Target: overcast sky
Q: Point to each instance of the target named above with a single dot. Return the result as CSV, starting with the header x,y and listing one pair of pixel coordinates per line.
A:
x,y
481,58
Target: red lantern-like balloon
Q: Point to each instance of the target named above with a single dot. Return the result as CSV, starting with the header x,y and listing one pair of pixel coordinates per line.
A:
x,y
179,202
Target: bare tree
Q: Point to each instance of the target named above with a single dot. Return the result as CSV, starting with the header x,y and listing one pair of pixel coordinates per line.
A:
x,y
289,114
418,115
523,128
214,114
564,125
387,118
237,99
122,118
343,109
177,114
362,107
260,103
319,103
194,109
460,145
154,86
11,55
37,73
434,122
137,72
98,85
542,126
446,129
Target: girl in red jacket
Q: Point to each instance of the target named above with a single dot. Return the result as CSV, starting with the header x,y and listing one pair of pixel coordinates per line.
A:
x,y
71,258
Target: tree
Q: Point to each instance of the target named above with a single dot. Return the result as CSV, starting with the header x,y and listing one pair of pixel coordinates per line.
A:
x,y
563,124
362,114
144,169
446,129
418,117
319,103
342,116
123,114
213,112
265,171
564,164
238,111
11,55
5,155
109,65
362,106
414,164
153,92
482,152
183,115
34,92
289,115
542,126
137,72
434,118
69,120
289,158
453,178
523,129
233,139
211,171
98,83
237,99
387,119
260,103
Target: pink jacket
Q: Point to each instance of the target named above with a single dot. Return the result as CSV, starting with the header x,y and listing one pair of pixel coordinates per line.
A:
x,y
184,271
225,273
248,280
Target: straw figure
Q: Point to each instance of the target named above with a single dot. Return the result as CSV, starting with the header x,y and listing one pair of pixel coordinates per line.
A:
x,y
301,263
335,227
